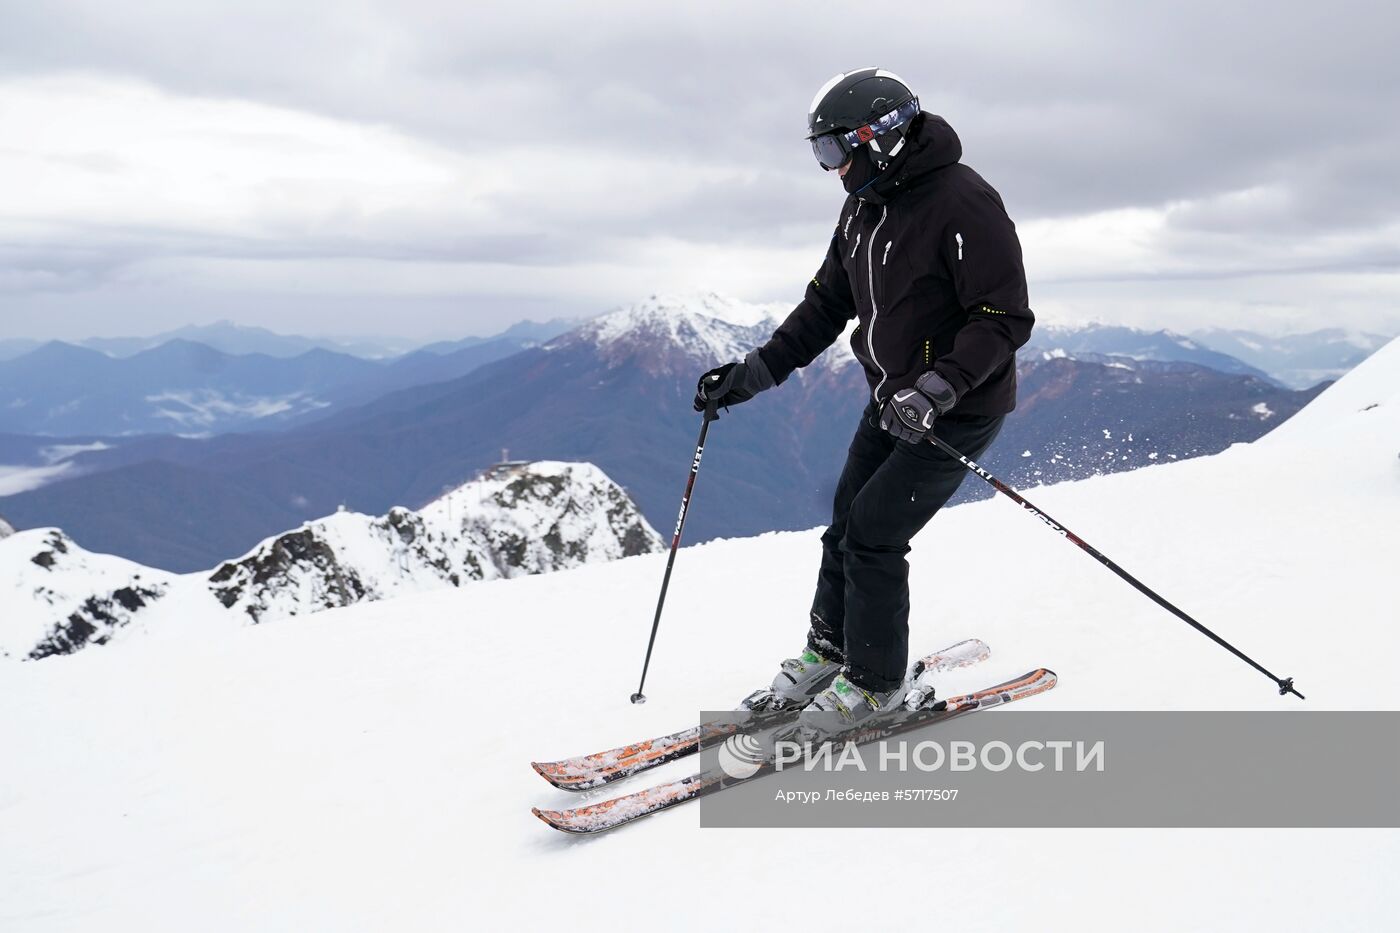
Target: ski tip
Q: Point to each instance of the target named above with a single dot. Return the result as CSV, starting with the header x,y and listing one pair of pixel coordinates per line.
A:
x,y
965,653
1043,679
549,770
556,820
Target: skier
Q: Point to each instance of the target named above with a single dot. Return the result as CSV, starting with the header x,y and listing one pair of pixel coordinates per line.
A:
x,y
925,257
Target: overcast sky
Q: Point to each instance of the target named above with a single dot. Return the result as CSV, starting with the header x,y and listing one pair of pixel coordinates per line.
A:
x,y
441,169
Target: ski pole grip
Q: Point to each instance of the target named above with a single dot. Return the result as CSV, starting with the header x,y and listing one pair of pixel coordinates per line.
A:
x,y
711,410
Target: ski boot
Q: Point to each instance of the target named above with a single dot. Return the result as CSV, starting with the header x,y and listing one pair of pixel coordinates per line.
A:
x,y
841,708
799,680
854,705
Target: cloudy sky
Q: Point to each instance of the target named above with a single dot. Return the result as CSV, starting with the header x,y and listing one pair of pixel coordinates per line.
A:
x,y
439,169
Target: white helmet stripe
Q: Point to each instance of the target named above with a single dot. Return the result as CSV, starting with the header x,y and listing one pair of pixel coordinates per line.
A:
x,y
832,83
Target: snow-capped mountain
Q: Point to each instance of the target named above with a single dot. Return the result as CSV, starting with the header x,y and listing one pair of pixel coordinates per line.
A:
x,y
345,767
58,597
6,529
667,333
519,519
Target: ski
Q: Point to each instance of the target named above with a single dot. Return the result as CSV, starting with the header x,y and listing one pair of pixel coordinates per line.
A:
x,y
609,814
586,772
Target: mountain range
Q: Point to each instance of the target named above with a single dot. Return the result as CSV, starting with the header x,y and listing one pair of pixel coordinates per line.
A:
x,y
183,387
226,337
1297,360
1163,346
616,392
240,339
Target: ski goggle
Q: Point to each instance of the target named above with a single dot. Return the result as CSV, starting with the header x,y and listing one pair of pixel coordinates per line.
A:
x,y
833,149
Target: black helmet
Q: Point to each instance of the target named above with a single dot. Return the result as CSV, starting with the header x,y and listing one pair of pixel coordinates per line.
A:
x,y
855,107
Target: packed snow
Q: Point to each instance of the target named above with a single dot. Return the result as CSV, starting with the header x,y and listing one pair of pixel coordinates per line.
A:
x,y
366,768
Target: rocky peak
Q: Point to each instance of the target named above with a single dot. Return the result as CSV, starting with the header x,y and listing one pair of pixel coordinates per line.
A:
x,y
516,519
542,516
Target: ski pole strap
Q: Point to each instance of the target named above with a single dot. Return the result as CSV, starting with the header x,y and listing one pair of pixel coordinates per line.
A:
x,y
1284,684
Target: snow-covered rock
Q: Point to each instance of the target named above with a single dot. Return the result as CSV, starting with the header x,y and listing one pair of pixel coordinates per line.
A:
x,y
339,560
517,519
57,597
543,516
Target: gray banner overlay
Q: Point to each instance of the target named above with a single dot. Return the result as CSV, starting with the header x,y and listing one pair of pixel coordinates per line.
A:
x,y
1015,768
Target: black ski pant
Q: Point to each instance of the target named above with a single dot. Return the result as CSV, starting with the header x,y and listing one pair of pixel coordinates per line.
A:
x,y
888,491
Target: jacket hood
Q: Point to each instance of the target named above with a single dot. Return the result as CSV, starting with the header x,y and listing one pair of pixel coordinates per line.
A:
x,y
932,145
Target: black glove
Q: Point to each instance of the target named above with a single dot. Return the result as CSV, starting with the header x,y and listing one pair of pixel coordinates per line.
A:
x,y
733,383
910,413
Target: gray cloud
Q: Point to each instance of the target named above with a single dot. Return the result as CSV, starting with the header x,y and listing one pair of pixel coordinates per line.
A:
x,y
1068,109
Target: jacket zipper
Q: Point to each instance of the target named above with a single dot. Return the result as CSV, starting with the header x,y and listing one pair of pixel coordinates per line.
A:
x,y
857,246
874,310
885,261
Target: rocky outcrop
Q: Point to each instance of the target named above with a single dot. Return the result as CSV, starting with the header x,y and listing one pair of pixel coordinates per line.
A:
x,y
338,561
517,519
58,598
539,517
96,620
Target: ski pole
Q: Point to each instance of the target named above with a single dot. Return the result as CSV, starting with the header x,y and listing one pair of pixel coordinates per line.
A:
x,y
710,415
1285,684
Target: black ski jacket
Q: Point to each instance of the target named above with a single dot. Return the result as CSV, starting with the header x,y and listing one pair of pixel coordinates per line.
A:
x,y
930,263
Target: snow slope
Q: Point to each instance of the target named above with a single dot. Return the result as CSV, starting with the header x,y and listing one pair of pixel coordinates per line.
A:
x,y
366,768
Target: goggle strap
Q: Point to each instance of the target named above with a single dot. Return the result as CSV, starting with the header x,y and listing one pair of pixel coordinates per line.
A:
x,y
863,134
